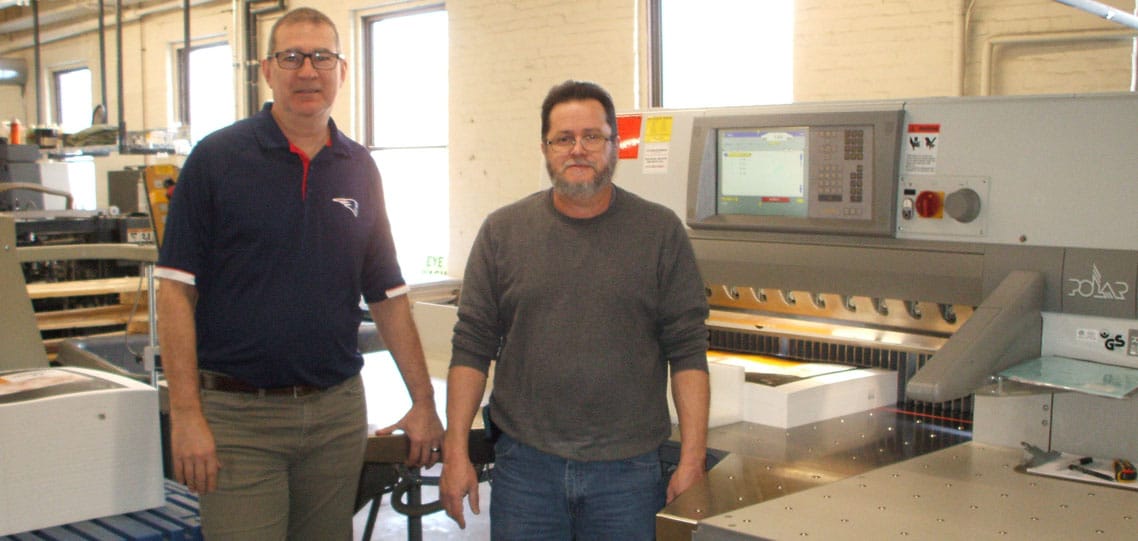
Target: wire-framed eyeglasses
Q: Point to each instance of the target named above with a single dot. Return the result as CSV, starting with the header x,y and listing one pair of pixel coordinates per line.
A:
x,y
293,60
590,141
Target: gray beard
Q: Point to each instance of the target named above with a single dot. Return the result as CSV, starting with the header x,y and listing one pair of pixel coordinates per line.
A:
x,y
582,191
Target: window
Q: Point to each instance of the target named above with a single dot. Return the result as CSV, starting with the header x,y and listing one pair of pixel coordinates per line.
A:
x,y
73,101
716,53
210,102
406,119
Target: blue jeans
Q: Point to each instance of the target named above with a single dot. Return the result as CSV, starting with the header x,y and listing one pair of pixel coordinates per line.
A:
x,y
544,497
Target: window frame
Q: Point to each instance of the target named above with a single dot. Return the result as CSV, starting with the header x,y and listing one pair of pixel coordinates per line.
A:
x,y
414,270
655,55
182,110
654,14
368,58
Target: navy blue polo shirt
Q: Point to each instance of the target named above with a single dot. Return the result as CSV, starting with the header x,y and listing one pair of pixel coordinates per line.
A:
x,y
280,250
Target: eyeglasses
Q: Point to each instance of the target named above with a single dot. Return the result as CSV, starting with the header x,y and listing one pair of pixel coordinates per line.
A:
x,y
591,141
294,60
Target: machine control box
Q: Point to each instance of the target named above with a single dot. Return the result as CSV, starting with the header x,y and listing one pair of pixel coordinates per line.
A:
x,y
953,206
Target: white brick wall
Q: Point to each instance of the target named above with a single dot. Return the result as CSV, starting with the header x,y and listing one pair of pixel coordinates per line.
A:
x,y
505,56
873,49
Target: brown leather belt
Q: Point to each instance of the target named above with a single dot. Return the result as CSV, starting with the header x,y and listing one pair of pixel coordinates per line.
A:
x,y
215,381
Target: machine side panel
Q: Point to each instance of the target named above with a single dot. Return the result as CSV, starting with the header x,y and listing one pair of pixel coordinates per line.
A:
x,y
1060,169
22,346
1099,282
1111,433
659,170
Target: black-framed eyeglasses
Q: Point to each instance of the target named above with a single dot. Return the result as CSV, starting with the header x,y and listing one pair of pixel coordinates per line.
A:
x,y
293,60
590,141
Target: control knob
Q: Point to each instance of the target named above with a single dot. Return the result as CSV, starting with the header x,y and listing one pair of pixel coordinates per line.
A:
x,y
963,205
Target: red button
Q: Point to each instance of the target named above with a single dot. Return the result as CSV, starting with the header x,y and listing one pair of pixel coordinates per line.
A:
x,y
930,204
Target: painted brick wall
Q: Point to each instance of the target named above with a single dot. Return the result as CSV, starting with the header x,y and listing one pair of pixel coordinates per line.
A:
x,y
505,55
872,49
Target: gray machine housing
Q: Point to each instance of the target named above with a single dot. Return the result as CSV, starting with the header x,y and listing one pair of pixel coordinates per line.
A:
x,y
1031,252
1046,230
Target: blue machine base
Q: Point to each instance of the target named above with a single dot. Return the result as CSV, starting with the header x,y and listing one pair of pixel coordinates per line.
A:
x,y
176,521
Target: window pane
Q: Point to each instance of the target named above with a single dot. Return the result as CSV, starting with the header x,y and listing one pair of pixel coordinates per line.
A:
x,y
212,100
726,52
73,87
409,80
407,109
415,189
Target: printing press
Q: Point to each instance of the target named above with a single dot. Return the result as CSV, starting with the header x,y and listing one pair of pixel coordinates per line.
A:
x,y
922,312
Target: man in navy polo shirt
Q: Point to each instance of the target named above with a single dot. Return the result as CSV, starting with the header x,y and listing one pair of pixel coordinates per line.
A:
x,y
276,228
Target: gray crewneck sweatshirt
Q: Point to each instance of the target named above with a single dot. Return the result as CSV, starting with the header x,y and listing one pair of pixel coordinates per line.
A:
x,y
583,318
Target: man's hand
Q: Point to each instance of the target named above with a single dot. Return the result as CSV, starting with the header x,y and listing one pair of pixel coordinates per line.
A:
x,y
683,478
423,428
194,454
456,482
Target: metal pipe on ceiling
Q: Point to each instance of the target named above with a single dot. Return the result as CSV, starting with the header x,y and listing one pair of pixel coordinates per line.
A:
x,y
36,49
119,79
102,58
1102,10
252,59
184,95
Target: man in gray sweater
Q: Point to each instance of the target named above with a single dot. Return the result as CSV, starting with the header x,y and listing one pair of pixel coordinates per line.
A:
x,y
585,295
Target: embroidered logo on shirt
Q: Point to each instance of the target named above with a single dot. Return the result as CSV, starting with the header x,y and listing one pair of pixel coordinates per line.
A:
x,y
349,204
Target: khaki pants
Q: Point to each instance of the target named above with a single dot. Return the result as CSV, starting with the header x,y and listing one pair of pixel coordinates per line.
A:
x,y
290,467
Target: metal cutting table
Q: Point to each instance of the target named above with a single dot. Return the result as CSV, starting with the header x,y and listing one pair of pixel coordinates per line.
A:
x,y
766,463
970,491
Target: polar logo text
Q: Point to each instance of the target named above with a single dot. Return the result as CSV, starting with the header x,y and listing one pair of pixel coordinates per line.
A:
x,y
1097,288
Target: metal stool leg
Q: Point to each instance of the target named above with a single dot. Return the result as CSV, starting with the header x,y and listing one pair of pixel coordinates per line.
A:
x,y
372,513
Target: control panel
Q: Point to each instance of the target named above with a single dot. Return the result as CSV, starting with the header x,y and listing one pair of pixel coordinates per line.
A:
x,y
841,161
942,205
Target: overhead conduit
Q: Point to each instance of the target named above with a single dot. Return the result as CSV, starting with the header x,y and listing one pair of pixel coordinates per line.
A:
x,y
988,58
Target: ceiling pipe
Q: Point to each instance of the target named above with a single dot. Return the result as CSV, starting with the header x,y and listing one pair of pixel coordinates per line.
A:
x,y
102,58
184,95
252,59
119,81
961,23
84,22
1102,10
38,67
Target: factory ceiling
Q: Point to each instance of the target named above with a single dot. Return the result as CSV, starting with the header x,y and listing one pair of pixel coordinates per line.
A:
x,y
17,20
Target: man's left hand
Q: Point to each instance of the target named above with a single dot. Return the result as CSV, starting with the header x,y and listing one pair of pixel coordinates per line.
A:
x,y
425,433
683,478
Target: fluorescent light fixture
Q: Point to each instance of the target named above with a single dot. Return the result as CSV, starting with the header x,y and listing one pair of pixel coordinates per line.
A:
x,y
13,71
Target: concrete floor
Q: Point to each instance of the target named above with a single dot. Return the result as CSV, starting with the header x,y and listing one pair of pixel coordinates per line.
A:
x,y
392,526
